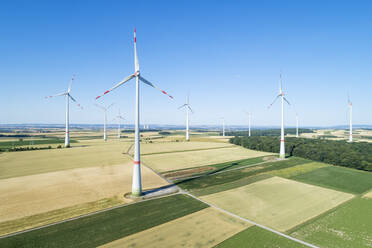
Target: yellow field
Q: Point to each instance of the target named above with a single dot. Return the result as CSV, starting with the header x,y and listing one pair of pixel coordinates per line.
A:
x,y
298,169
30,195
177,146
89,153
53,216
368,195
182,160
277,202
205,228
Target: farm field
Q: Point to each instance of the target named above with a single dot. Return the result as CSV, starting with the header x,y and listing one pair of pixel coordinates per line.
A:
x,y
277,202
236,178
368,194
288,195
205,228
339,178
88,154
254,237
105,227
298,169
182,160
50,191
348,226
158,147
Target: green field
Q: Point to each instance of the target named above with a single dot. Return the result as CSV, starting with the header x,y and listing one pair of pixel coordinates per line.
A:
x,y
349,226
102,228
339,178
255,237
30,142
217,180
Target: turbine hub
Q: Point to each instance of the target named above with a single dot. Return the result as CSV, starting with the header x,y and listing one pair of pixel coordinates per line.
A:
x,y
137,73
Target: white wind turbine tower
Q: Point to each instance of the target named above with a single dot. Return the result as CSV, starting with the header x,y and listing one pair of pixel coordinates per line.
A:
x,y
350,119
296,125
119,117
281,94
136,181
188,108
105,119
249,123
68,97
223,127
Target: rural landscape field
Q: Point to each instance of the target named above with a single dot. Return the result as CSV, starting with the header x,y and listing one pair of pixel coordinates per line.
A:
x,y
200,124
209,193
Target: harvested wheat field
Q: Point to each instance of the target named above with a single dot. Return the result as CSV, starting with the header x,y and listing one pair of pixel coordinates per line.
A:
x,y
205,228
181,160
368,194
277,202
92,153
30,195
167,147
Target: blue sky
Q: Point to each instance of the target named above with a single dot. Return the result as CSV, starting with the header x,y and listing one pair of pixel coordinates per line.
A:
x,y
227,54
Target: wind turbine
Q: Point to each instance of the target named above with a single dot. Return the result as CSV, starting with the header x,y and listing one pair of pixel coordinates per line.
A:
x,y
187,107
119,117
105,118
249,122
68,97
296,125
136,181
350,119
281,94
223,127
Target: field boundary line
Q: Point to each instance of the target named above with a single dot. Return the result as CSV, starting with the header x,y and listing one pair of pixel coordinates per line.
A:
x,y
252,222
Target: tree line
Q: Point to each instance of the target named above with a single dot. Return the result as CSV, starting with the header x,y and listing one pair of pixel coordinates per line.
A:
x,y
356,155
268,132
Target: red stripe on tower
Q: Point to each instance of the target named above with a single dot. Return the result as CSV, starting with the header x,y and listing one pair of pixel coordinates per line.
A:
x,y
281,140
136,162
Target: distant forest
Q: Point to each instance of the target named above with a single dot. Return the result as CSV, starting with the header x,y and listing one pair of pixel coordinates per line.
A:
x,y
268,132
356,155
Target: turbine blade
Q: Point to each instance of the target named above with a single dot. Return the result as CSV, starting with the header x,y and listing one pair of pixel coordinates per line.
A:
x,y
136,64
190,108
276,98
110,105
182,106
60,94
285,99
72,79
73,99
117,85
153,85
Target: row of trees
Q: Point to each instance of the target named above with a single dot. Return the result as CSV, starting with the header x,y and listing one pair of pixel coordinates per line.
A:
x,y
268,132
356,155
